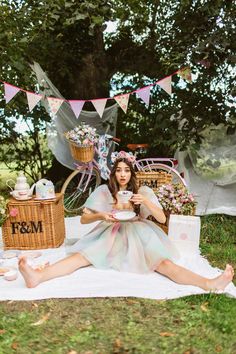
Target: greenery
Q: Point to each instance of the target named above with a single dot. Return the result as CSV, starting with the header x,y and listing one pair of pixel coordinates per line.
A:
x,y
3,209
28,153
152,40
203,324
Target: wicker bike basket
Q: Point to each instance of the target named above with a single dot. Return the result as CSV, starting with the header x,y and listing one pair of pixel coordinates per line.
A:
x,y
82,153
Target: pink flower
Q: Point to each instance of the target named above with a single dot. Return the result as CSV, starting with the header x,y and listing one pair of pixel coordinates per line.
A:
x,y
14,212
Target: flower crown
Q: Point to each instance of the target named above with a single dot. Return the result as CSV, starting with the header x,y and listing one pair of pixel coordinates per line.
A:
x,y
122,155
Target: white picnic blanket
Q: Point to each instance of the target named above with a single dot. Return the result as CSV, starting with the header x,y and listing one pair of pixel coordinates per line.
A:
x,y
91,282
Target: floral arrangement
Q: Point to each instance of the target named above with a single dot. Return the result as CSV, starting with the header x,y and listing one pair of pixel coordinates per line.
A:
x,y
83,134
3,210
122,155
176,199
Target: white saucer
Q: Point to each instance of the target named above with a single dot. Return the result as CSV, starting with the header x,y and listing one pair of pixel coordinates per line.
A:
x,y
22,199
124,215
44,198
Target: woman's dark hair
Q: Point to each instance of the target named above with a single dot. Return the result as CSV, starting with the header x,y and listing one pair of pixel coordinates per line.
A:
x,y
132,185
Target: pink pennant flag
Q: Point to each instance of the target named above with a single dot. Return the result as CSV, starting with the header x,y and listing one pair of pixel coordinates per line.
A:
x,y
32,99
123,100
76,106
144,94
165,84
185,74
99,105
54,104
10,91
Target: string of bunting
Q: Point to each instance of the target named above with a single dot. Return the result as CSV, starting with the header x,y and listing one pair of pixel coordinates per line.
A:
x,y
99,103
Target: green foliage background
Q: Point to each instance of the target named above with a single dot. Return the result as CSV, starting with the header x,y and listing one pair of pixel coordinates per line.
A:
x,y
152,40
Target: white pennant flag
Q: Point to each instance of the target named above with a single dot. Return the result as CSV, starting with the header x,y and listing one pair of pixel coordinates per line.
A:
x,y
144,94
54,104
76,106
165,84
32,99
10,91
123,100
99,105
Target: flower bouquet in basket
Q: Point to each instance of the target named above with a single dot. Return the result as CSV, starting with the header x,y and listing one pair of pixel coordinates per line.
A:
x,y
82,140
175,199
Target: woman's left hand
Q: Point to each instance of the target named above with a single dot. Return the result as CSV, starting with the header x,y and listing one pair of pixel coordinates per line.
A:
x,y
138,199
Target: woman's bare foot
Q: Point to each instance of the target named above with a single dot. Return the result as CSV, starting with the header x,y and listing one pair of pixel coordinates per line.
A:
x,y
220,282
31,276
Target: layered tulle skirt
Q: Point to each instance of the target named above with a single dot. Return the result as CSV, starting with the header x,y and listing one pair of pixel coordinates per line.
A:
x,y
133,246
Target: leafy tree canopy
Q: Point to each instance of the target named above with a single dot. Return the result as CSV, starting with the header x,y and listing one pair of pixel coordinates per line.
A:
x,y
152,39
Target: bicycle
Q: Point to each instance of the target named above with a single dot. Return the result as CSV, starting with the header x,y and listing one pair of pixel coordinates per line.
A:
x,y
87,176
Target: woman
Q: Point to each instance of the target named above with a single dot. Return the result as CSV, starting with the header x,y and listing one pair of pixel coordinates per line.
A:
x,y
137,245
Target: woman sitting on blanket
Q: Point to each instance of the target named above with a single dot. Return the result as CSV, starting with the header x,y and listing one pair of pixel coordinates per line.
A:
x,y
137,245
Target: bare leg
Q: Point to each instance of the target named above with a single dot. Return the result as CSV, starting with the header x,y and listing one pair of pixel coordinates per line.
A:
x,y
63,267
184,276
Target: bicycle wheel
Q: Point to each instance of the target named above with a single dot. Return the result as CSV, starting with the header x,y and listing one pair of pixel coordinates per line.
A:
x,y
78,187
176,177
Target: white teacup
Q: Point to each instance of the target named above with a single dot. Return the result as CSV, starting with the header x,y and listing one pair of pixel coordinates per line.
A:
x,y
124,196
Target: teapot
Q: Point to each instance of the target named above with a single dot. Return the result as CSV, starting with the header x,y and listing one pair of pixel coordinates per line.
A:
x,y
44,189
22,190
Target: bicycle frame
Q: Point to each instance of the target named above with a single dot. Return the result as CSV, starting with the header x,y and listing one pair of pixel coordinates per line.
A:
x,y
83,168
148,162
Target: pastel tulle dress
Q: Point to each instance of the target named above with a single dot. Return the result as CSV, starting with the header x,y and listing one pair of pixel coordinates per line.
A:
x,y
137,245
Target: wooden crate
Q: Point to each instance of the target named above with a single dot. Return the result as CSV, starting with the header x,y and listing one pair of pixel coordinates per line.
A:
x,y
38,224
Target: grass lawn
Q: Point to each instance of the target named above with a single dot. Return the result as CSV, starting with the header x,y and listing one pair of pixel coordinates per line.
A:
x,y
194,324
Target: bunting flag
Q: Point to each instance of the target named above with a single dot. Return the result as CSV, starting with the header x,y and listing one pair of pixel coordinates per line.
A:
x,y
122,101
76,106
54,104
165,84
144,94
10,91
99,105
185,74
32,99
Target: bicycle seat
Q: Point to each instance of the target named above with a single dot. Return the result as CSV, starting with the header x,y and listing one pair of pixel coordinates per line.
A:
x,y
134,147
